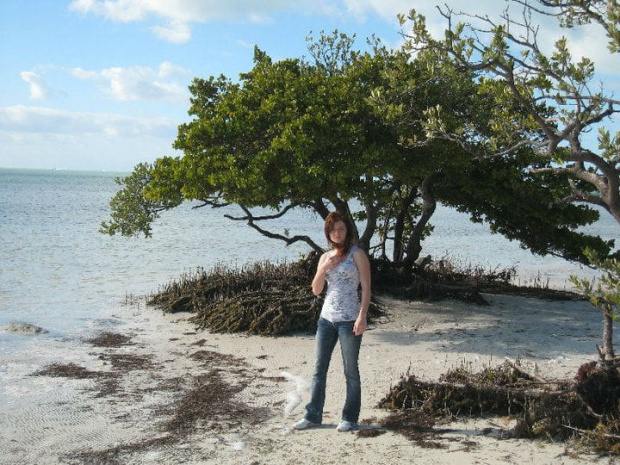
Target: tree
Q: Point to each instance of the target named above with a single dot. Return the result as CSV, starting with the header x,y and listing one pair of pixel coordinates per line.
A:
x,y
605,295
289,135
294,134
545,102
569,13
519,196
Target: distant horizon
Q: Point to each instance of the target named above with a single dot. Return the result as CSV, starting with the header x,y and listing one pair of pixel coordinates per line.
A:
x,y
604,216
79,170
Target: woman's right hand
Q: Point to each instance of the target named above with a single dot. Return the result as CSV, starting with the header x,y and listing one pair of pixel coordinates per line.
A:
x,y
326,264
331,262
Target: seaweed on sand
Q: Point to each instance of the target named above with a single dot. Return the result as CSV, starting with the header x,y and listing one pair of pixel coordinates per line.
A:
x,y
263,298
209,399
586,409
275,299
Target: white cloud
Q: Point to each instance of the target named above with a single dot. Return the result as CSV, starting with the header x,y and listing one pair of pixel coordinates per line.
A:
x,y
175,32
140,82
80,140
178,15
244,44
20,119
390,9
168,69
119,10
38,89
387,9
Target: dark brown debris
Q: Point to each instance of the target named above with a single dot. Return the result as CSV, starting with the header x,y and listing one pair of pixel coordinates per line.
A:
x,y
585,410
68,370
110,340
209,399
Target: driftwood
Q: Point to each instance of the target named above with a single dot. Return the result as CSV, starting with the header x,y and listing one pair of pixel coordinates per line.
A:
x,y
543,409
516,366
275,299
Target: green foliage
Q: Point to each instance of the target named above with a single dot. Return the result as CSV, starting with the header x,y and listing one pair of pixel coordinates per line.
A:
x,y
522,206
292,134
132,210
603,293
519,196
288,133
348,131
543,103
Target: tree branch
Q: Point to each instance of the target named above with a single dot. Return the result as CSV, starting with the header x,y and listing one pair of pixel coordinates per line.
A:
x,y
251,221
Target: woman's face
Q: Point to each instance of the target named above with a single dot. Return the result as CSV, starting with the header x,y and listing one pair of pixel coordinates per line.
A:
x,y
338,233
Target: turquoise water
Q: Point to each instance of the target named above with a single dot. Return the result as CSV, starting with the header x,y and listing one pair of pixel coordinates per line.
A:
x,y
59,273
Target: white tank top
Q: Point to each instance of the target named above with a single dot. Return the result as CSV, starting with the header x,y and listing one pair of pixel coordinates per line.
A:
x,y
342,302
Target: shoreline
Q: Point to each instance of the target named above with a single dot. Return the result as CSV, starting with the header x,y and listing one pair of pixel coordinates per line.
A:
x,y
164,392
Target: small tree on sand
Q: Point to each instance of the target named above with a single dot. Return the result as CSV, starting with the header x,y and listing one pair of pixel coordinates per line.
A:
x,y
604,294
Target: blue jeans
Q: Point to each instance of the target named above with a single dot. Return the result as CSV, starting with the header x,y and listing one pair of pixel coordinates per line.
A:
x,y
327,334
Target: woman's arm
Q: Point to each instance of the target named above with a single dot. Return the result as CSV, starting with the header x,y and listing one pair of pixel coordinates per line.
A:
x,y
318,283
363,267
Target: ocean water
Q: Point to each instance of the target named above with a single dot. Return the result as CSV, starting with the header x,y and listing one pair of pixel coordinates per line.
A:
x,y
58,272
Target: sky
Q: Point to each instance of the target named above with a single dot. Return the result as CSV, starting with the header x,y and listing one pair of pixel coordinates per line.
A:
x,y
103,84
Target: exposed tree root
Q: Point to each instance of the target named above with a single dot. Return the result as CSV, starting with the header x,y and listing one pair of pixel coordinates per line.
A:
x,y
272,300
586,409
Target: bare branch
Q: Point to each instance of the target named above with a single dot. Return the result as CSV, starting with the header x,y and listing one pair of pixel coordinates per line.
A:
x,y
553,102
251,221
214,202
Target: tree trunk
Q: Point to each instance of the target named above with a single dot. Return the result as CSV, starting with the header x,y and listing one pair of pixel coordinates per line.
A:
x,y
429,204
371,224
400,221
608,335
399,229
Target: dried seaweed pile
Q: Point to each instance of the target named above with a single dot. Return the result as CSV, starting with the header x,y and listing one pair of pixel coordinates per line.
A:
x,y
263,299
435,280
587,408
275,299
444,279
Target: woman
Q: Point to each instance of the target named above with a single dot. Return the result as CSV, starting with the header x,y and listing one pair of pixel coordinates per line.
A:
x,y
344,268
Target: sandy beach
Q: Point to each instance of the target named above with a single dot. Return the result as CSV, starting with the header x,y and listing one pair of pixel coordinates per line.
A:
x,y
152,389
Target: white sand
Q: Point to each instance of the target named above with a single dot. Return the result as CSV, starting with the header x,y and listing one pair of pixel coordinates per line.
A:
x,y
52,419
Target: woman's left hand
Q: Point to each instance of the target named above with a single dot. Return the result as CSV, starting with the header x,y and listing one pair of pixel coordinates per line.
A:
x,y
360,326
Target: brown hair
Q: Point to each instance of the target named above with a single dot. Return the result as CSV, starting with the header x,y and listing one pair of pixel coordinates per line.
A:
x,y
349,240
